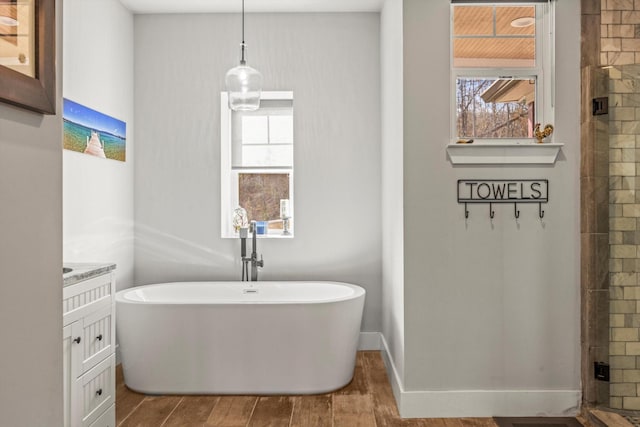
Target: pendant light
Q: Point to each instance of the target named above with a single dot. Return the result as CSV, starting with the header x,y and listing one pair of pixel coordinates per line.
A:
x,y
243,82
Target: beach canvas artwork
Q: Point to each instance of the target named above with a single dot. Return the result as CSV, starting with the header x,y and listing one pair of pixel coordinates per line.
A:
x,y
91,132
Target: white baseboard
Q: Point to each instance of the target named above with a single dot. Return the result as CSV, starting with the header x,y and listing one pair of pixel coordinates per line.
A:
x,y
478,403
369,341
392,372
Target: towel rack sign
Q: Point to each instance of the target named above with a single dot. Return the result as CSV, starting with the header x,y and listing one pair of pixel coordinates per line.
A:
x,y
503,191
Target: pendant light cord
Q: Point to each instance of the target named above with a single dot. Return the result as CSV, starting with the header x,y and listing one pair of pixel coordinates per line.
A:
x,y
242,61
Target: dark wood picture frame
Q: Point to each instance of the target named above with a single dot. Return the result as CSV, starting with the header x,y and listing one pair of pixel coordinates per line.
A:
x,y
39,93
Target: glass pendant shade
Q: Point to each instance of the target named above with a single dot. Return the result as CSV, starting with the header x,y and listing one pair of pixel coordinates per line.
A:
x,y
244,85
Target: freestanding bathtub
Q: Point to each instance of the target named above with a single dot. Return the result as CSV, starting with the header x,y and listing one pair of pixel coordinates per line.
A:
x,y
239,337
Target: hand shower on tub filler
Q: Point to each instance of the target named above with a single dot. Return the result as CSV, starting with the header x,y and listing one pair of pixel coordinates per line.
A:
x,y
255,263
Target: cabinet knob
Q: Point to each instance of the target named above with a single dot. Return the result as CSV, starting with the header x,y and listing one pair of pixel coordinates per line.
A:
x,y
99,337
77,340
99,392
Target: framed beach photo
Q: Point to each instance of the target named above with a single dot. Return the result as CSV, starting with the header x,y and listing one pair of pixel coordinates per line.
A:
x,y
91,132
27,54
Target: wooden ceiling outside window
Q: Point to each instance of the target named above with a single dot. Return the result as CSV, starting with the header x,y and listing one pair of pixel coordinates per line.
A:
x,y
485,33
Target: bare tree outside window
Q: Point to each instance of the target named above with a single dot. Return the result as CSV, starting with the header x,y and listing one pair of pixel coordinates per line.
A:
x,y
260,195
494,108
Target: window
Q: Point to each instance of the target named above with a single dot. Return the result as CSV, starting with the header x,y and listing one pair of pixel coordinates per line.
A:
x,y
501,69
257,164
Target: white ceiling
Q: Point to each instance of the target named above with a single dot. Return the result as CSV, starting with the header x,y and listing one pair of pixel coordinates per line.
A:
x,y
225,6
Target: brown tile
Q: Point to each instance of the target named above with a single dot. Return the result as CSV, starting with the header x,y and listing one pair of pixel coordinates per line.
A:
x,y
353,410
385,409
126,400
358,384
589,395
609,419
587,206
477,422
232,411
590,40
193,411
312,411
119,374
597,310
585,93
590,7
587,148
587,260
272,411
153,411
434,422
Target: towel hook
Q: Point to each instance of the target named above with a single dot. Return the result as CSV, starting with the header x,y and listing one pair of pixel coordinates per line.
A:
x,y
466,211
492,213
516,212
540,211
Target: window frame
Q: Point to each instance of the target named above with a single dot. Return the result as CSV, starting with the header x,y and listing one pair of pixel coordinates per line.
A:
x,y
228,174
543,71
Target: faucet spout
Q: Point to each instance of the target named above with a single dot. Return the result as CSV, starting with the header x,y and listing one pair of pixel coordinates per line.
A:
x,y
255,263
243,253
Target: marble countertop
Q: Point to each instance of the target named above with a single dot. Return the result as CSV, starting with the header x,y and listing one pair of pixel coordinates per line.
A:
x,y
84,271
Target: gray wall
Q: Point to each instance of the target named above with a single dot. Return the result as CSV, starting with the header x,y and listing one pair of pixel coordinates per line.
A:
x,y
98,193
489,305
332,64
392,182
30,265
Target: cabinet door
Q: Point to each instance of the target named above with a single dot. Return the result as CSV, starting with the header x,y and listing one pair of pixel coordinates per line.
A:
x,y
71,357
66,373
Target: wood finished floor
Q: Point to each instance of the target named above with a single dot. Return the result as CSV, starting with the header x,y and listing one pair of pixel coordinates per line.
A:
x,y
366,402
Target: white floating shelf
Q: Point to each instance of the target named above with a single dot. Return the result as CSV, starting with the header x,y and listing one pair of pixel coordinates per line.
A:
x,y
501,153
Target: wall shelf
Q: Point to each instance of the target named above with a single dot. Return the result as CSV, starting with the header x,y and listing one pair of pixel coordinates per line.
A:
x,y
499,153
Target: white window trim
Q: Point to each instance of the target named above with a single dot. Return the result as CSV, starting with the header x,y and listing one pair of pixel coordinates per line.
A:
x,y
229,197
512,151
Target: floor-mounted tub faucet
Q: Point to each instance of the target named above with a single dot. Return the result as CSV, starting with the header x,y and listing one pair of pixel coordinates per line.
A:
x,y
255,263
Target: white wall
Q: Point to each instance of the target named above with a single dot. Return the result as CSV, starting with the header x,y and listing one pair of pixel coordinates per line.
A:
x,y
392,182
98,193
492,309
30,265
332,64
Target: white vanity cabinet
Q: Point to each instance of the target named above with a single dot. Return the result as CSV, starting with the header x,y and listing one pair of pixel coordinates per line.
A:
x,y
89,350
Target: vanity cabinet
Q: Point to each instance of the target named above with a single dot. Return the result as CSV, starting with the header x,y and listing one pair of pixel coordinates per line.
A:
x,y
89,351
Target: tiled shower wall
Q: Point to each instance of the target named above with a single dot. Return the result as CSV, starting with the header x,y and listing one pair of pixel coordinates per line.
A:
x,y
624,237
620,49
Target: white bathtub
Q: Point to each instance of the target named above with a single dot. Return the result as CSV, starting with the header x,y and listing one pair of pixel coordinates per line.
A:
x,y
238,337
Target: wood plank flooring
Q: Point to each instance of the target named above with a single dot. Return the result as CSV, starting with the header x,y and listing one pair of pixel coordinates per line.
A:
x,y
366,402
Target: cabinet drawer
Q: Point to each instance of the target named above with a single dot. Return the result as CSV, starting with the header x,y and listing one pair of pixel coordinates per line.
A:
x,y
95,390
82,298
98,337
107,419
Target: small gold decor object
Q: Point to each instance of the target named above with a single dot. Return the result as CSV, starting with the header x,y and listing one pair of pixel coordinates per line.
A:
x,y
464,141
541,134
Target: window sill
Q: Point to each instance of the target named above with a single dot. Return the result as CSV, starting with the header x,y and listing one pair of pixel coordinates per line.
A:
x,y
274,235
500,153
